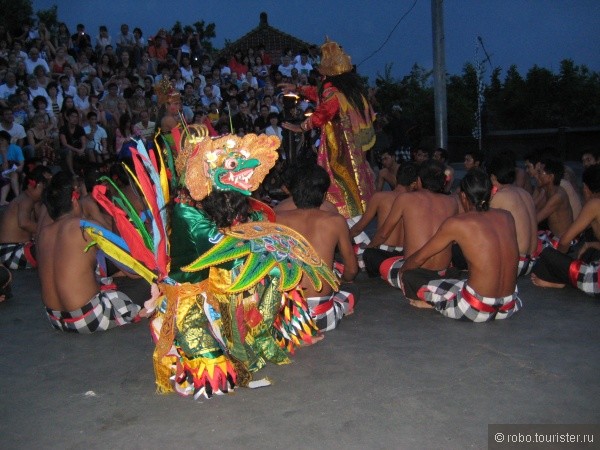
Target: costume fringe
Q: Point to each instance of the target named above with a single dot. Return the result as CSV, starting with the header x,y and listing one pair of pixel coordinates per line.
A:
x,y
204,377
293,325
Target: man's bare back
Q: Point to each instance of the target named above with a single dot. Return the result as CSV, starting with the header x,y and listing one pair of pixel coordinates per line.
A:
x,y
520,204
68,282
422,212
325,231
488,242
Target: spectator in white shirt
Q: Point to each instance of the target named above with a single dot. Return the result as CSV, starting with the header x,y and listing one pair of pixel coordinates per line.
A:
x,y
35,60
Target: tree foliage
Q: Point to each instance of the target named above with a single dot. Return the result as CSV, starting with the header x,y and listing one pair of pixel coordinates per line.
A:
x,y
15,13
540,99
49,17
206,32
414,92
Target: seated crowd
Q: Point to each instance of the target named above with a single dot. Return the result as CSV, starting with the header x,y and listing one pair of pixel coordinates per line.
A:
x,y
68,99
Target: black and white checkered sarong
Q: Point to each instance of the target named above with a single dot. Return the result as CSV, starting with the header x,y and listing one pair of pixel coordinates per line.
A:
x,y
17,256
526,263
390,270
105,310
360,242
585,277
457,300
328,311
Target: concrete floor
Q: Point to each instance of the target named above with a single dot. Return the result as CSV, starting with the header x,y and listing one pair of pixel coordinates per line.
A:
x,y
390,377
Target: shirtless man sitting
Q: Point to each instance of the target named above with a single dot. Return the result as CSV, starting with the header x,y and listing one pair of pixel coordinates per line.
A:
x,y
388,172
422,212
568,182
554,269
520,204
18,223
292,175
488,239
70,291
325,231
557,209
380,206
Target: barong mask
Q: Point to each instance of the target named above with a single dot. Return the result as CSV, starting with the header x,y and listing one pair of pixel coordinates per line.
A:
x,y
227,163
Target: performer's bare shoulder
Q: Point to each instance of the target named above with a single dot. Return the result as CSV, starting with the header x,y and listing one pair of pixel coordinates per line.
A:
x,y
520,204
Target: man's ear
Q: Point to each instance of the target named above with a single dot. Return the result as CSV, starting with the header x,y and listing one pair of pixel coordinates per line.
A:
x,y
419,183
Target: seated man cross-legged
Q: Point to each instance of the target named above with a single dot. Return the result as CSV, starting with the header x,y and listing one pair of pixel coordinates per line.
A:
x,y
488,240
420,213
380,206
18,223
555,269
72,296
325,231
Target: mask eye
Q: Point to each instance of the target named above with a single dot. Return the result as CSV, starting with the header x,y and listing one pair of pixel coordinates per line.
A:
x,y
230,163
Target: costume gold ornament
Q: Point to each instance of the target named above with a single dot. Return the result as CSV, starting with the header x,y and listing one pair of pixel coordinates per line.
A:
x,y
333,59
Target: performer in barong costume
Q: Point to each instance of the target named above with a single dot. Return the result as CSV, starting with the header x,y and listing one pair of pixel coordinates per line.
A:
x,y
346,121
224,302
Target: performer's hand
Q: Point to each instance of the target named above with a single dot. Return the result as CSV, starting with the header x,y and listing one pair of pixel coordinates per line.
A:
x,y
287,87
292,127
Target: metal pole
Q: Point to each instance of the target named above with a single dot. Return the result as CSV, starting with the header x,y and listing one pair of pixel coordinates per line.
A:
x,y
439,74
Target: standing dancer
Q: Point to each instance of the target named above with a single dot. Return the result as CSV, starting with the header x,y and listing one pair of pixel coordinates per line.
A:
x,y
346,120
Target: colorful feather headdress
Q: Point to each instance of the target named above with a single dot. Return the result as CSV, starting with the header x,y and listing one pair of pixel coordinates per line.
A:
x,y
228,163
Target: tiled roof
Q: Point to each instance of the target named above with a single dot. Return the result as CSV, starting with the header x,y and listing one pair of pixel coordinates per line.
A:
x,y
273,39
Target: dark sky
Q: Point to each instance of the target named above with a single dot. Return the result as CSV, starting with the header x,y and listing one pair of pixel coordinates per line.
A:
x,y
521,32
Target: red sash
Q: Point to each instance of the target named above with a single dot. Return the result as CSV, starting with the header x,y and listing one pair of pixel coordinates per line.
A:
x,y
27,251
322,308
484,307
574,271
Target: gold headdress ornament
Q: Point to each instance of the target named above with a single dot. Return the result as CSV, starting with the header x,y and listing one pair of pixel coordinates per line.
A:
x,y
333,59
227,163
166,92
